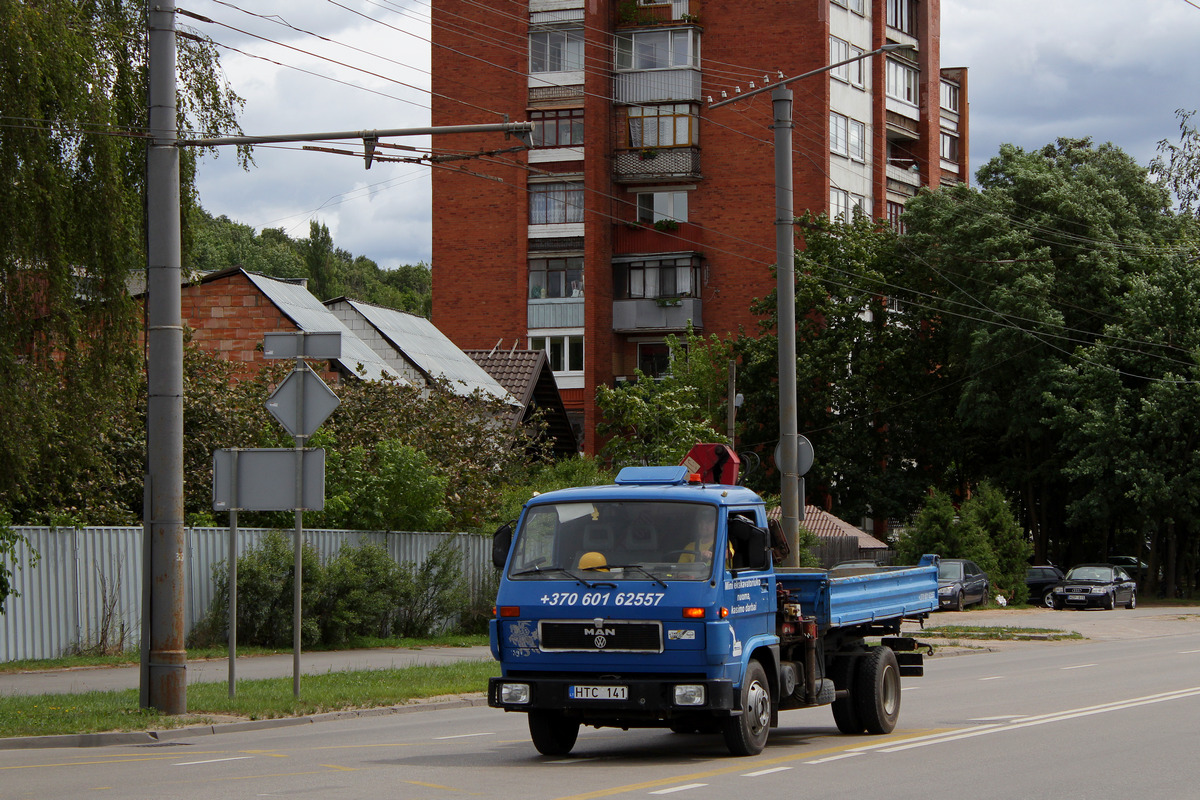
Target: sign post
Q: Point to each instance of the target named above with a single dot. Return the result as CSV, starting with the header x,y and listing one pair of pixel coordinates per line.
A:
x,y
254,479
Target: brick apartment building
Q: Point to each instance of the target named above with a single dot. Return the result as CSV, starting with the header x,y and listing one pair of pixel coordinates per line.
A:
x,y
640,208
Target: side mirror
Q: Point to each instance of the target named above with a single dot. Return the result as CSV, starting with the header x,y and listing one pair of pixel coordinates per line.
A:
x,y
751,545
501,544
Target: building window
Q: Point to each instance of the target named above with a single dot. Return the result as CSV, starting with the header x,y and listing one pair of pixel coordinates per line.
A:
x,y
894,212
651,279
558,128
857,6
949,97
655,206
654,359
663,49
555,277
663,126
847,137
843,203
902,15
551,203
564,352
854,72
902,81
558,50
949,147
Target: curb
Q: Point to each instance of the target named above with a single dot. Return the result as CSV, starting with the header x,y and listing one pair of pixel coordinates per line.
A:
x,y
143,738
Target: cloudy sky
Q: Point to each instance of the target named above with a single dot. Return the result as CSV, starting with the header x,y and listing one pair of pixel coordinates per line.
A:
x,y
1112,70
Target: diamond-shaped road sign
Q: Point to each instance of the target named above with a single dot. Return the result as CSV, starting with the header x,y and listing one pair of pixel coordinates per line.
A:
x,y
319,402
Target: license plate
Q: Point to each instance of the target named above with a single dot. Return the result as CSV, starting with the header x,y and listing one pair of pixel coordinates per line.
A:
x,y
598,693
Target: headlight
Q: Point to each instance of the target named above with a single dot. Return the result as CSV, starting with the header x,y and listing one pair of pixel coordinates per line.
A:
x,y
689,694
516,693
1099,590
945,590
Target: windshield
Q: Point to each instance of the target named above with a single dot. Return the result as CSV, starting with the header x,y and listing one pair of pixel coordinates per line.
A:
x,y
1090,574
950,571
639,541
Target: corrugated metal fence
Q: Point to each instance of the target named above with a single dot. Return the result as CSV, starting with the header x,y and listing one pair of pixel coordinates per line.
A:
x,y
87,584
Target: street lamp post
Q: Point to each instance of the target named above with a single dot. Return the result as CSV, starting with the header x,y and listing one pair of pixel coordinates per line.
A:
x,y
785,248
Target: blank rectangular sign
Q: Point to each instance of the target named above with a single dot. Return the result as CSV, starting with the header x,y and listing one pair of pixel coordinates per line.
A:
x,y
266,479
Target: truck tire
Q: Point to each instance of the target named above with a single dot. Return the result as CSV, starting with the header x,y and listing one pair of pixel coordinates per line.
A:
x,y
552,733
746,734
876,691
845,713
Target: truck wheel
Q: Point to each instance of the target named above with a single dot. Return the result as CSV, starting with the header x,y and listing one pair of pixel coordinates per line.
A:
x,y
552,734
845,713
877,690
746,734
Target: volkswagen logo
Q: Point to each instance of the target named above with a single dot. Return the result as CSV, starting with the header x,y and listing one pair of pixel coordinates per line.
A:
x,y
600,642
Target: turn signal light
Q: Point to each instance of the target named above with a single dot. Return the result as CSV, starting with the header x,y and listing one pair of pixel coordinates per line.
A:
x,y
693,613
510,611
724,612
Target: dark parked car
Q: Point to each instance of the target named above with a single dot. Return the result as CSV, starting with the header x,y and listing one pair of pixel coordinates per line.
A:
x,y
1040,581
1102,585
960,583
1136,568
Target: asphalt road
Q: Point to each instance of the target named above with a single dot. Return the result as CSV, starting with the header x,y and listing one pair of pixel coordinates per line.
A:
x,y
1116,715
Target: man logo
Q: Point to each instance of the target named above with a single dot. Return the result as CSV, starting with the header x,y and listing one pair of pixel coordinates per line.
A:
x,y
599,631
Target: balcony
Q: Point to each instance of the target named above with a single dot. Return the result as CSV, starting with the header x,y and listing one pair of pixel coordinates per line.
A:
x,y
661,315
631,237
680,85
648,165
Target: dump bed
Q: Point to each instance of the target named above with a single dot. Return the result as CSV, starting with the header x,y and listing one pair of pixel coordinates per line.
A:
x,y
870,596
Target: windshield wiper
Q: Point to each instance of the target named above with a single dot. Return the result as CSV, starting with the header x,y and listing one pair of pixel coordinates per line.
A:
x,y
639,568
535,569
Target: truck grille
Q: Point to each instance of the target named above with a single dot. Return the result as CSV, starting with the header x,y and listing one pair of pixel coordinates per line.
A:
x,y
608,636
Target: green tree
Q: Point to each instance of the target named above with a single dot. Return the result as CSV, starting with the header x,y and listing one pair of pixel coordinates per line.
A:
x,y
321,262
939,529
1178,165
868,374
1023,270
650,422
989,511
72,164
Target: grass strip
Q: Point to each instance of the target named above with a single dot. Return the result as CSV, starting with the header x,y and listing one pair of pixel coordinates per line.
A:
x,y
998,633
134,657
270,698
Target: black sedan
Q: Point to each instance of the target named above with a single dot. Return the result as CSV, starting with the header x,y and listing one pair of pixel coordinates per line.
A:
x,y
1040,581
1100,585
960,583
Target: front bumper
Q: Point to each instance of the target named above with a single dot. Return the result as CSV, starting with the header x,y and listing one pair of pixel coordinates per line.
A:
x,y
1080,600
646,698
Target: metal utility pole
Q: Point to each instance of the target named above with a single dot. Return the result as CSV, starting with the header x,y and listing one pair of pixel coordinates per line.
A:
x,y
164,657
791,507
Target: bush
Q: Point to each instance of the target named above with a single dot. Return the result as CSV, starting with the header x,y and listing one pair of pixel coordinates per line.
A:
x,y
361,593
265,597
431,593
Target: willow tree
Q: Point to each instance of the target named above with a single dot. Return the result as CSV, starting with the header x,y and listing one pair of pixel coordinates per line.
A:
x,y
73,79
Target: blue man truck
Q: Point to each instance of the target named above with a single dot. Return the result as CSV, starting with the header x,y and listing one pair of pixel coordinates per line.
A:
x,y
655,602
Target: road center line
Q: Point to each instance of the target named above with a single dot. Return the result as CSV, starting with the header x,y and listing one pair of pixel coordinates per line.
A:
x,y
765,772
1079,666
683,788
838,757
210,761
462,736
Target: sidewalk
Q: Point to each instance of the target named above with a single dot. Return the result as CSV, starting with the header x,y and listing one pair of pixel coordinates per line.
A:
x,y
90,679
